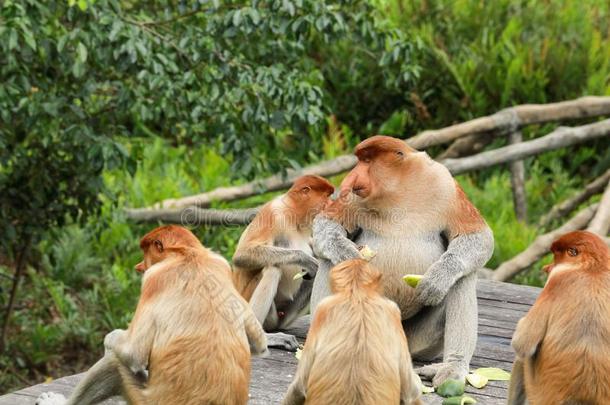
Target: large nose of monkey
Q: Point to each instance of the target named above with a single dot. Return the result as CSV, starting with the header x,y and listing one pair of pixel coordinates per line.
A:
x,y
354,183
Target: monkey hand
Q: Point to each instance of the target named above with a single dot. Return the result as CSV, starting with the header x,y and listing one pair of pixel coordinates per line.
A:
x,y
113,339
435,285
330,241
310,265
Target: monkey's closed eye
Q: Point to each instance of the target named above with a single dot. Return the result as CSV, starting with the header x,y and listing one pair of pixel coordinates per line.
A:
x,y
573,252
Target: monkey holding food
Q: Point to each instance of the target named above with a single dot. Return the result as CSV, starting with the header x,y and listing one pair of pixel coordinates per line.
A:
x,y
410,210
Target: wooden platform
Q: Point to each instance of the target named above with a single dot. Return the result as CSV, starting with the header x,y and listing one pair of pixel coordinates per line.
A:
x,y
501,305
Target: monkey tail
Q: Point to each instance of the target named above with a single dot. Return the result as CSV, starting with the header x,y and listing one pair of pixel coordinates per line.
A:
x,y
131,389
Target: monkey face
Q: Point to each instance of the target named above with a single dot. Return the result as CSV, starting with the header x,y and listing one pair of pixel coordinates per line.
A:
x,y
310,195
578,249
383,163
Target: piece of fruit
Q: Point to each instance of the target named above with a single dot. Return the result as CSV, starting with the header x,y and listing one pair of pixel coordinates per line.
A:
x,y
451,388
298,354
367,253
299,275
426,390
477,380
493,374
412,279
459,400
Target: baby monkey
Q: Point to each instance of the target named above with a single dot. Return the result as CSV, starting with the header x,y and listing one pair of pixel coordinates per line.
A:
x,y
356,352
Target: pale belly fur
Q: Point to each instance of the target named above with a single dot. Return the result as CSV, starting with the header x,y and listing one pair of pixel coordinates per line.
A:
x,y
407,254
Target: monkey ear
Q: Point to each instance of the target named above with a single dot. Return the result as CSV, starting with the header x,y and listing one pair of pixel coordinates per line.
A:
x,y
159,245
305,190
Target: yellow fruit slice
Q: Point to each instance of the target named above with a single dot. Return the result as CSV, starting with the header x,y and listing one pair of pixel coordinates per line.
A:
x,y
298,354
476,380
367,253
412,279
493,374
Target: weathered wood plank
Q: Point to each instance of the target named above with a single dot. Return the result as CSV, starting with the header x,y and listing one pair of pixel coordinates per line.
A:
x,y
501,305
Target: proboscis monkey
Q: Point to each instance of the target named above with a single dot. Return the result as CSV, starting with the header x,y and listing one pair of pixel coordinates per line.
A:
x,y
356,351
411,211
191,330
563,343
273,250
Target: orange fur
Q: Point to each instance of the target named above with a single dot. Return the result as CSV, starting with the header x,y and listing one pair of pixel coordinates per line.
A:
x,y
190,324
285,216
356,351
564,341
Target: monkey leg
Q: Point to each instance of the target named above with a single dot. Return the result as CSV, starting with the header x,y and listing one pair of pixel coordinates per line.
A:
x,y
264,294
458,316
298,305
262,304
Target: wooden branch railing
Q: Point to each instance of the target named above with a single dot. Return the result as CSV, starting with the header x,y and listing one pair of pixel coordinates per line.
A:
x,y
596,217
559,138
500,123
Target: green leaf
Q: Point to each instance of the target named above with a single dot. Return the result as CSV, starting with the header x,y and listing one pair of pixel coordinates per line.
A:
x,y
81,52
493,374
237,18
82,4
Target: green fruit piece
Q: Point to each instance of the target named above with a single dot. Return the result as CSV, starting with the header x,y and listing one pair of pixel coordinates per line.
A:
x,y
412,279
493,374
451,388
299,275
476,380
461,400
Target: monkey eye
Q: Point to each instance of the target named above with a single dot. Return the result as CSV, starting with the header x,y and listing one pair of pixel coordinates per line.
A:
x,y
400,153
572,252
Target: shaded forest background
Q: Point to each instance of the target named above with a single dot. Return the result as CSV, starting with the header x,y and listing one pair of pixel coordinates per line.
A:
x,y
107,104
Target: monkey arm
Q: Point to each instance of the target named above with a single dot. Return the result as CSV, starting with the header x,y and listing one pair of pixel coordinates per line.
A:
x,y
260,256
531,329
465,254
255,333
133,347
330,241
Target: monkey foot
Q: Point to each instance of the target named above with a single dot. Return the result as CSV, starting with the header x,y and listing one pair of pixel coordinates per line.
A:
x,y
441,372
50,398
283,341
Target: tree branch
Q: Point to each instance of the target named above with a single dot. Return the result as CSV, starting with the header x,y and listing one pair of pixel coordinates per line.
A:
x,y
600,224
502,122
564,208
193,216
561,137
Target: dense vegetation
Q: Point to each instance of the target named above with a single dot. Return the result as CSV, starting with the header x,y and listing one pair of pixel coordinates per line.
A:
x,y
106,104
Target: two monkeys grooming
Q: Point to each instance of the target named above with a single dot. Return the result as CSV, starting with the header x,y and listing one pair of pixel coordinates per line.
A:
x,y
399,202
